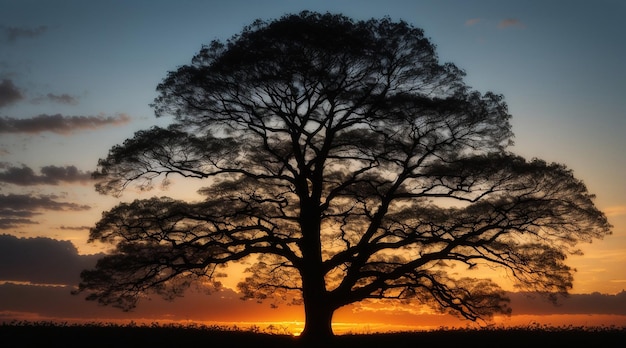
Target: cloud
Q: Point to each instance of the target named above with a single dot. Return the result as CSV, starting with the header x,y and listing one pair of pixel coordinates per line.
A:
x,y
42,261
9,220
12,34
59,124
617,210
31,263
594,303
472,21
21,202
19,302
510,22
75,228
50,175
55,98
17,209
9,93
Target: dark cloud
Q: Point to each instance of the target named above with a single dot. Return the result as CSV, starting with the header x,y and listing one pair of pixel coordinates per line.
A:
x,y
13,34
22,202
9,220
42,261
58,123
9,93
595,303
17,210
75,228
24,302
50,175
20,302
12,218
55,98
32,262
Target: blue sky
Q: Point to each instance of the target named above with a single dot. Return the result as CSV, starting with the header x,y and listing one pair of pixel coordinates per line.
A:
x,y
76,78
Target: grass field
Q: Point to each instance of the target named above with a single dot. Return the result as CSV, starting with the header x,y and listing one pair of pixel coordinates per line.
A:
x,y
37,334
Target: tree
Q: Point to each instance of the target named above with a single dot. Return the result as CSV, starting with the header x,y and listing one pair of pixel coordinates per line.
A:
x,y
348,164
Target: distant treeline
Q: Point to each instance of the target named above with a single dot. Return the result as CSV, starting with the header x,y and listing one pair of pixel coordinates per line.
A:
x,y
45,334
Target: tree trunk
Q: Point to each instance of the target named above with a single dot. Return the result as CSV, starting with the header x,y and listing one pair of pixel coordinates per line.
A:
x,y
318,307
318,320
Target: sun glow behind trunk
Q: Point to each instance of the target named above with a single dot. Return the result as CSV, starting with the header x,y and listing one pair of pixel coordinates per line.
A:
x,y
428,323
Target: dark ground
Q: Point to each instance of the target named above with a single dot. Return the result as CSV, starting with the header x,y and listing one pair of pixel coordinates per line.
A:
x,y
59,335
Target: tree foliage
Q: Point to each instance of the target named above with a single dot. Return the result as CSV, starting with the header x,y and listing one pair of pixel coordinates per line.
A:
x,y
346,161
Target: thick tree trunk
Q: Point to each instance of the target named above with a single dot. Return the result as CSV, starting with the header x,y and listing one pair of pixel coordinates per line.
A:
x,y
318,307
318,320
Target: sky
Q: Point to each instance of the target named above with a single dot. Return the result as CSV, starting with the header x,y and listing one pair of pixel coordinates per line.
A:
x,y
77,77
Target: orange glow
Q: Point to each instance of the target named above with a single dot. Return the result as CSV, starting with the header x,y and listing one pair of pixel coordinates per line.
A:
x,y
294,328
225,310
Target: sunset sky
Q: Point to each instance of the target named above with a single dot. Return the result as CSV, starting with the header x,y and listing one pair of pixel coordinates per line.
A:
x,y
76,78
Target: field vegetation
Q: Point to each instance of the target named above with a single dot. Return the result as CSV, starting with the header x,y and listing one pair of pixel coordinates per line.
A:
x,y
49,334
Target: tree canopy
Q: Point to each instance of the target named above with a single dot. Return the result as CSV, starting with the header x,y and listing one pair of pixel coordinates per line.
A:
x,y
347,163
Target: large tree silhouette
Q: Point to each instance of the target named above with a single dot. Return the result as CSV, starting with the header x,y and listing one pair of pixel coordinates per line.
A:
x,y
348,164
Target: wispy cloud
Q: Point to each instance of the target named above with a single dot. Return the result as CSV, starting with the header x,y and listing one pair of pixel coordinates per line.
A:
x,y
49,175
472,21
56,98
9,93
617,210
75,228
511,22
13,34
59,124
19,202
9,220
19,209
